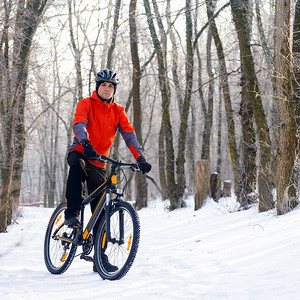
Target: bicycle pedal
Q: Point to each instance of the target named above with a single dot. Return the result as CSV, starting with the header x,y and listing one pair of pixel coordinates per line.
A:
x,y
87,258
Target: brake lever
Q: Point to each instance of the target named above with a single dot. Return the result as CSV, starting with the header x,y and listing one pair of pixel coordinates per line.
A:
x,y
135,168
101,160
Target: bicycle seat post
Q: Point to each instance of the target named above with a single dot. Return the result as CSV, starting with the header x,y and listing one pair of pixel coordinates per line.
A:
x,y
82,213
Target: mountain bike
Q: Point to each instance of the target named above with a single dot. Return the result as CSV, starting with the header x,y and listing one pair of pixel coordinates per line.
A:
x,y
116,240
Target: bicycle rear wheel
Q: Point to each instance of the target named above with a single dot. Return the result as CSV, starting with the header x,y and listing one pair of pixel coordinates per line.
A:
x,y
120,253
58,254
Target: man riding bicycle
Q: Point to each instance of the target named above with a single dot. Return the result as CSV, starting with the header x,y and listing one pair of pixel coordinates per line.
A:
x,y
96,121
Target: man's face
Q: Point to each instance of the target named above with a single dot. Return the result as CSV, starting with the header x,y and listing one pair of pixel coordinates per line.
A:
x,y
106,90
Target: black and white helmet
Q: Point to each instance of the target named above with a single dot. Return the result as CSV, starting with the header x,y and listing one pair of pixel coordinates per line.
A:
x,y
107,75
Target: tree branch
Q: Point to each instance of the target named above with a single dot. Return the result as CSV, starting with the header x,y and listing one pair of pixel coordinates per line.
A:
x,y
207,24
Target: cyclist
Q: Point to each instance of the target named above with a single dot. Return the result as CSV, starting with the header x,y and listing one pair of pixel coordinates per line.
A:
x,y
95,123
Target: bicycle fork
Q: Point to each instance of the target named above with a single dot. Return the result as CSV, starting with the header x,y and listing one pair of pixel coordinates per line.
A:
x,y
107,216
120,239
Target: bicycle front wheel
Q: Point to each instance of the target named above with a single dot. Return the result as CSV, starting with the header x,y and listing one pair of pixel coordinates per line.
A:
x,y
114,258
58,254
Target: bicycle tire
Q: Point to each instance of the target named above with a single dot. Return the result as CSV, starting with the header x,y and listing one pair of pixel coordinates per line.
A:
x,y
58,254
118,255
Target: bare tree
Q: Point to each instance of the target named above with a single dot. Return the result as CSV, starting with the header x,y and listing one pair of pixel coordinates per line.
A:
x,y
286,145
296,92
141,184
208,109
189,69
77,52
114,34
265,175
174,58
296,70
28,16
248,141
94,31
106,35
227,100
166,134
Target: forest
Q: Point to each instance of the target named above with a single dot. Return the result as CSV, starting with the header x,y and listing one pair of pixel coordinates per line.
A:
x,y
212,80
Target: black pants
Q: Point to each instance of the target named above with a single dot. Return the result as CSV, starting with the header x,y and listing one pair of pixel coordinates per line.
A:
x,y
81,170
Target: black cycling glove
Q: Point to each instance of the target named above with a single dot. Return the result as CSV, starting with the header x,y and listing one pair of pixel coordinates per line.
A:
x,y
89,150
143,165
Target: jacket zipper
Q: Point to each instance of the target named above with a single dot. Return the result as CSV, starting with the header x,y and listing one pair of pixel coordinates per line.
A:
x,y
103,119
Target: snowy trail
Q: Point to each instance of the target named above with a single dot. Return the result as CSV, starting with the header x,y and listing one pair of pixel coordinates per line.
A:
x,y
208,254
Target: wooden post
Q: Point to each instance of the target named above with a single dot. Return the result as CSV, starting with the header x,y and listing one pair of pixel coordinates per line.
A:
x,y
227,188
202,182
215,186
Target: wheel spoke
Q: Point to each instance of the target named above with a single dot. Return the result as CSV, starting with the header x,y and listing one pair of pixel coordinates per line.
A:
x,y
120,254
58,253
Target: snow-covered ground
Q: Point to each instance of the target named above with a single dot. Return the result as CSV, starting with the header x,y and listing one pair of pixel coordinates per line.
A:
x,y
213,253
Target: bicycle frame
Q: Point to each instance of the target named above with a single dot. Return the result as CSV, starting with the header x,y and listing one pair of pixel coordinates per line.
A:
x,y
114,242
95,214
108,187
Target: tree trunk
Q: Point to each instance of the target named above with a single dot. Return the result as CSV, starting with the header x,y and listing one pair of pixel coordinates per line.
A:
x,y
141,184
215,186
162,164
77,55
227,101
286,145
248,142
296,60
106,30
219,155
208,113
174,58
227,189
270,69
265,177
189,69
114,35
191,149
202,182
12,110
296,91
166,98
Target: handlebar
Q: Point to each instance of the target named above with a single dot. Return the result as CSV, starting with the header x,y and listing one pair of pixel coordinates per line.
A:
x,y
104,159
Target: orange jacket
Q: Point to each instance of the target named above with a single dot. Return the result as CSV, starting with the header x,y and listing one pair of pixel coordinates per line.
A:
x,y
98,122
